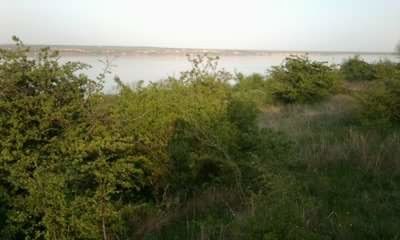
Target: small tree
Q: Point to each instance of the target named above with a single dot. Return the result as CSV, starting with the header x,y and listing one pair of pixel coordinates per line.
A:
x,y
42,107
356,69
381,102
64,159
301,80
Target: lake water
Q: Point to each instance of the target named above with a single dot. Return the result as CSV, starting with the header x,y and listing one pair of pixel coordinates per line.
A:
x,y
132,69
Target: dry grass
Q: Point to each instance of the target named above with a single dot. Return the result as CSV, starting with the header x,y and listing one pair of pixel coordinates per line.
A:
x,y
328,133
368,150
147,221
294,120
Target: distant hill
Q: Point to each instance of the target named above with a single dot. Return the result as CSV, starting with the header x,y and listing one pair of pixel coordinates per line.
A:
x,y
135,51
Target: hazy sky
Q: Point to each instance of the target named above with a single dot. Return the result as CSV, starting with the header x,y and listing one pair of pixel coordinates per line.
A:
x,y
353,25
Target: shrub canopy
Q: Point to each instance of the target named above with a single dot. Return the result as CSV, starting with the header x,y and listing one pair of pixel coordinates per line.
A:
x,y
356,69
381,100
301,80
75,163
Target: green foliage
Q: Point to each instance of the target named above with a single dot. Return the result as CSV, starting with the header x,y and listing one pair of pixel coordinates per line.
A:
x,y
386,69
63,168
41,102
72,158
381,101
186,158
300,80
252,88
281,213
343,184
356,69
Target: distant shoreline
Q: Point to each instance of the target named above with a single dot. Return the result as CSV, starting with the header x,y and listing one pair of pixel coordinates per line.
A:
x,y
159,51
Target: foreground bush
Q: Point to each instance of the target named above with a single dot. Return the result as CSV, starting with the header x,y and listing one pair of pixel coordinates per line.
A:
x,y
356,69
43,120
301,80
75,163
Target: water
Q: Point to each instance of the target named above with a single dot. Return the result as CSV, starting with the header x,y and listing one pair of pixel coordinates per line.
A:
x,y
132,69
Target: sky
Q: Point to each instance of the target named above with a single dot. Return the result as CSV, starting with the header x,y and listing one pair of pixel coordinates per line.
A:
x,y
313,25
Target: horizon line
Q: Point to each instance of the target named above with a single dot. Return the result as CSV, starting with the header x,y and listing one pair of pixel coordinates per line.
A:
x,y
198,48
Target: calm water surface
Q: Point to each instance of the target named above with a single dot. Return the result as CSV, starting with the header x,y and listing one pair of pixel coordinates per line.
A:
x,y
132,69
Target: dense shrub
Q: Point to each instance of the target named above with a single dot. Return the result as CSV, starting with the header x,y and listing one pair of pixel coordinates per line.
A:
x,y
185,158
74,161
386,69
356,69
252,88
301,80
198,134
40,104
381,101
64,161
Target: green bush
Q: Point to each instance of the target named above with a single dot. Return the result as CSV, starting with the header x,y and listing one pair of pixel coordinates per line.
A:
x,y
386,69
252,88
183,158
301,80
356,69
42,109
381,101
66,165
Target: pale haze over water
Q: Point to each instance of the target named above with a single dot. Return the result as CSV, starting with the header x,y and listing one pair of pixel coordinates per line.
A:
x,y
276,25
132,69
